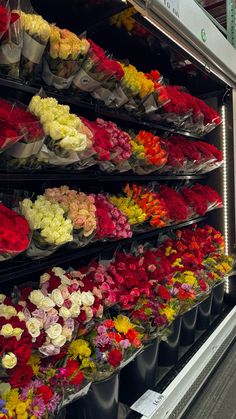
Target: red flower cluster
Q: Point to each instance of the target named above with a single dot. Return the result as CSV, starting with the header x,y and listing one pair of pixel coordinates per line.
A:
x,y
182,153
4,19
201,198
17,124
175,203
14,232
101,140
103,64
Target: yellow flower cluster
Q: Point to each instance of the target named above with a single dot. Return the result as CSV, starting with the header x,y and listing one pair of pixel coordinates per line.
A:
x,y
124,19
122,324
130,81
146,85
66,45
49,218
36,27
188,277
66,129
128,207
138,150
169,311
16,408
79,348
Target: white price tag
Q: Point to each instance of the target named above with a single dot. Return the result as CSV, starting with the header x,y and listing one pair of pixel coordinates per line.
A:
x,y
148,403
173,6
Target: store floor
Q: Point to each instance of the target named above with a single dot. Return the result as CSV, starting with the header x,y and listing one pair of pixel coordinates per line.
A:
x,y
217,399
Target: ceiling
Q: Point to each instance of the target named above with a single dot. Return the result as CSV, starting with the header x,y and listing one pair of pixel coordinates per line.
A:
x,y
217,8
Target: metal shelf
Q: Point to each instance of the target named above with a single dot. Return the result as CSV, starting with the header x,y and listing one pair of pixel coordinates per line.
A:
x,y
85,102
18,267
92,175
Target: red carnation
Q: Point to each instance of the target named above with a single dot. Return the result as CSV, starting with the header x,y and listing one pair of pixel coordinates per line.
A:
x,y
45,392
163,293
22,353
114,358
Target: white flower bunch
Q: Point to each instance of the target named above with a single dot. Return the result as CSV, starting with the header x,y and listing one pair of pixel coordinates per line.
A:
x,y
49,218
64,128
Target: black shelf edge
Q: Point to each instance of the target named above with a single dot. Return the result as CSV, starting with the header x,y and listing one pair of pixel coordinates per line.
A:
x,y
81,103
88,176
24,267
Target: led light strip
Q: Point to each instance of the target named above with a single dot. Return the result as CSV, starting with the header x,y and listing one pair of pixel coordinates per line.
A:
x,y
225,188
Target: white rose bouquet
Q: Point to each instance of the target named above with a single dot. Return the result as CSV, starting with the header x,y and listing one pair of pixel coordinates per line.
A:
x,y
51,228
64,57
35,37
68,139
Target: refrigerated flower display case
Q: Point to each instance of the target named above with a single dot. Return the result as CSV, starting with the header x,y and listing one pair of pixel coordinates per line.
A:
x,y
117,232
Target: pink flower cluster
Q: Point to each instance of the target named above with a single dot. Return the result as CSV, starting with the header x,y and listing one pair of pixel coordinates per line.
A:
x,y
120,140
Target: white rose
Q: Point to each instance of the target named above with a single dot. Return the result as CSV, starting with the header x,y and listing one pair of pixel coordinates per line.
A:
x,y
46,304
59,341
61,274
76,298
67,333
36,297
57,297
54,331
75,310
64,313
44,278
87,298
9,360
33,326
89,313
7,330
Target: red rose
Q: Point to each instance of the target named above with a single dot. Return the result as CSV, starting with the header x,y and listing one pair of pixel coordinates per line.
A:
x,y
114,358
20,376
71,367
23,352
45,392
40,340
202,284
163,293
25,293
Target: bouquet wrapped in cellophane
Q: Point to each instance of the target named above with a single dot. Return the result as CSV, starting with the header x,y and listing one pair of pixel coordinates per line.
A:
x,y
68,140
11,43
66,52
36,32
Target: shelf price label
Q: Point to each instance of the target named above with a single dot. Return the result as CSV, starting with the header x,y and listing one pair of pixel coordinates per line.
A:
x,y
148,403
173,6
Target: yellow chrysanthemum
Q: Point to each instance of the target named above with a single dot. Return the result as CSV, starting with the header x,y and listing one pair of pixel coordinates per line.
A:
x,y
79,348
169,312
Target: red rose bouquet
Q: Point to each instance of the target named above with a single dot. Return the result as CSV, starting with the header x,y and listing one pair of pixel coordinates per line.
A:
x,y
211,196
11,45
14,233
111,223
4,17
101,141
196,201
31,136
96,69
175,204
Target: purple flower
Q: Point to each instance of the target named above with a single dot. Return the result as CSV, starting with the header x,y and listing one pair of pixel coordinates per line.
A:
x,y
53,403
102,340
50,320
37,407
70,324
2,404
102,330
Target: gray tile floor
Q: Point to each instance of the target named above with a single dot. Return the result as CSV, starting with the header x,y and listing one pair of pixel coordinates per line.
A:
x,y
217,399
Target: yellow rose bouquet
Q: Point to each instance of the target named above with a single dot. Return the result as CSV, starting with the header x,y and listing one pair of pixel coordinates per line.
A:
x,y
50,225
68,139
35,37
65,55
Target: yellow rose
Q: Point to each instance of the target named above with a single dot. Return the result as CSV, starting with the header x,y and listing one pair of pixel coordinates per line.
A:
x,y
9,312
36,297
46,304
17,332
59,341
57,297
7,330
2,298
64,313
21,316
9,360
